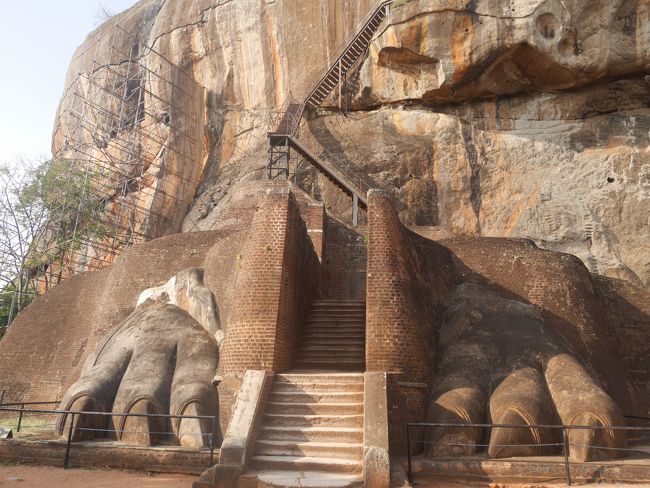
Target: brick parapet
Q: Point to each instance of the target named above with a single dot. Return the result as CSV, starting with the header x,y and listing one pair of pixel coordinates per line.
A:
x,y
345,261
277,277
407,292
561,287
47,345
410,282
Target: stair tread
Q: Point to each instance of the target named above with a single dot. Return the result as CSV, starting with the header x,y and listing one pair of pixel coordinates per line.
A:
x,y
313,416
332,360
316,444
307,478
286,428
309,459
342,332
317,355
320,404
315,393
312,355
318,377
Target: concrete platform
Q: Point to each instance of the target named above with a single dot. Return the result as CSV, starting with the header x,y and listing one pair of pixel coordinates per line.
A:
x,y
106,454
547,470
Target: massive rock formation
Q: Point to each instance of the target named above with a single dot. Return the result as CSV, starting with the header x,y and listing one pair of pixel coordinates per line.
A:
x,y
518,118
525,118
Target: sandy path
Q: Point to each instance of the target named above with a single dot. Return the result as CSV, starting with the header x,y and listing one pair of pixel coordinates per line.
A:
x,y
44,477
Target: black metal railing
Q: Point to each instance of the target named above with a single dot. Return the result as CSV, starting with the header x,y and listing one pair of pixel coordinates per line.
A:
x,y
565,444
19,424
21,411
287,121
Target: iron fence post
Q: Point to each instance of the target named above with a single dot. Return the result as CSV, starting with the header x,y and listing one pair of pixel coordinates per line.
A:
x,y
67,447
565,448
408,453
20,417
214,419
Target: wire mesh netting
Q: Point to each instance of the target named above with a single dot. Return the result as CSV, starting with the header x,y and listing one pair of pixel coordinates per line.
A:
x,y
126,145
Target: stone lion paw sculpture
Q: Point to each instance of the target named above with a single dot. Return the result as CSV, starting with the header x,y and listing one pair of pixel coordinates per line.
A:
x,y
501,364
161,360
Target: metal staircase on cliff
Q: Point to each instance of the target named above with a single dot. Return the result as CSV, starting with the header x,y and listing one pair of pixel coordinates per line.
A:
x,y
284,135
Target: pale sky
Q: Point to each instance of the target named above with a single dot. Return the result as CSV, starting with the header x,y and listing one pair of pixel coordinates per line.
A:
x,y
37,41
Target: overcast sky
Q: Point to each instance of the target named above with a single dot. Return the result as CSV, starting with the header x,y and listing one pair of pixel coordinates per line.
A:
x,y
37,40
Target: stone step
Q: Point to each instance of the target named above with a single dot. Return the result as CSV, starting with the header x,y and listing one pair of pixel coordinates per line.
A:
x,y
301,479
337,312
338,306
309,388
331,364
317,449
346,332
334,334
326,378
335,324
343,342
332,324
327,303
328,361
316,396
319,408
309,434
348,347
326,349
284,420
304,463
332,341
336,331
350,316
356,357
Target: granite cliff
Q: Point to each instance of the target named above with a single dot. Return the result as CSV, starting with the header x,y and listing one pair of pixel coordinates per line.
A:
x,y
519,118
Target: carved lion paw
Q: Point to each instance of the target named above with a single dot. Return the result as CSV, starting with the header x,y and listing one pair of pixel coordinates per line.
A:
x,y
501,364
160,360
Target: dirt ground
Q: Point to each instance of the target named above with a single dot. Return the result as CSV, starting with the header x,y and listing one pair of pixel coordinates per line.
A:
x,y
43,477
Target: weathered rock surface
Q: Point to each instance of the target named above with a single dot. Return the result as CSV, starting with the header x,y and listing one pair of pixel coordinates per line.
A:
x,y
524,118
501,363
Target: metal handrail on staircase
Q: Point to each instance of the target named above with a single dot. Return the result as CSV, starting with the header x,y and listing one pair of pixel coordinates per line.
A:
x,y
313,83
285,123
347,177
349,42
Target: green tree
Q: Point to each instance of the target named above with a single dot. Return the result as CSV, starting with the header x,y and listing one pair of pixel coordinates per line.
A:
x,y
48,210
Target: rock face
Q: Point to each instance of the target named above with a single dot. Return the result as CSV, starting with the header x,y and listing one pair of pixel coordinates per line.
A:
x,y
540,382
523,118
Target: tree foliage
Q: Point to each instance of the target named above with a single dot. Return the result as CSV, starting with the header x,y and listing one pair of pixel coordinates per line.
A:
x,y
48,211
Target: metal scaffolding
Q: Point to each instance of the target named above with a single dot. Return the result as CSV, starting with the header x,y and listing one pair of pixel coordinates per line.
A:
x,y
129,140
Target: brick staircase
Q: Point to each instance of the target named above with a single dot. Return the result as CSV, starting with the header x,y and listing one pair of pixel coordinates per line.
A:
x,y
312,432
334,337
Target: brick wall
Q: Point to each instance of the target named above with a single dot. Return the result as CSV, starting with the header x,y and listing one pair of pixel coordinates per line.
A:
x,y
627,309
278,276
561,286
313,214
47,345
410,281
344,261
